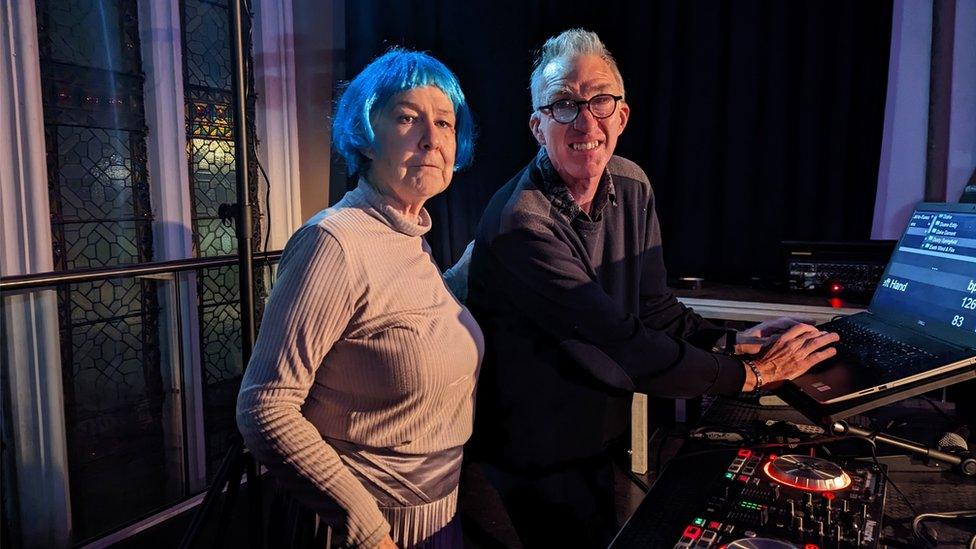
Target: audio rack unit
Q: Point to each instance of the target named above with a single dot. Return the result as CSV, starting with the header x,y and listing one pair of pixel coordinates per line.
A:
x,y
836,268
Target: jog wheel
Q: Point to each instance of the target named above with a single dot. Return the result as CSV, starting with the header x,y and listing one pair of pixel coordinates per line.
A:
x,y
807,473
760,543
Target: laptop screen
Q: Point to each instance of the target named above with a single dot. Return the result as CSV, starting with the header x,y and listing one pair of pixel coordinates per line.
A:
x,y
930,282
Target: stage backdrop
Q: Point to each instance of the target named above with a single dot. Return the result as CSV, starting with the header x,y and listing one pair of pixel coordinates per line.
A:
x,y
757,121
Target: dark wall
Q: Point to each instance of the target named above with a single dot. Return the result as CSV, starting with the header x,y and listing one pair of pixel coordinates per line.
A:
x,y
758,121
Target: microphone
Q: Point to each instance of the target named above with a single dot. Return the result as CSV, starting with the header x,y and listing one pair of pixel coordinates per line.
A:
x,y
955,441
965,462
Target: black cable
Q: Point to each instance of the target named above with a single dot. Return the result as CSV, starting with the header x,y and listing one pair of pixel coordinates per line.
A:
x,y
939,410
884,474
267,205
726,447
949,515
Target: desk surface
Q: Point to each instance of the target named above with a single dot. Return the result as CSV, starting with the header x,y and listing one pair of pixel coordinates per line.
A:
x,y
743,303
736,292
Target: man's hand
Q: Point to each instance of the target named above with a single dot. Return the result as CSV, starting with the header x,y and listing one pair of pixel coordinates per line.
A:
x,y
760,336
792,353
386,543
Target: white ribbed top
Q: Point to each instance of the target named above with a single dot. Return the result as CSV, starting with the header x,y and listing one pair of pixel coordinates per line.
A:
x,y
362,342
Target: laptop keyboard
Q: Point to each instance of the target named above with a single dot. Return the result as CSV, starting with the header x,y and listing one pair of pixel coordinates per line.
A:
x,y
876,349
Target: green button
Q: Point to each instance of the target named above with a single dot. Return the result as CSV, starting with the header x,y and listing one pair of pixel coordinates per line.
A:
x,y
729,476
699,522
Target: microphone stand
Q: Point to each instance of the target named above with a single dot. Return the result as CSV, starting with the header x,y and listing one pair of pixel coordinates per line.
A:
x,y
965,464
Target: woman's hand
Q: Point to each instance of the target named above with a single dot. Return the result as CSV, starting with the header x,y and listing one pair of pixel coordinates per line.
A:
x,y
386,543
760,336
792,354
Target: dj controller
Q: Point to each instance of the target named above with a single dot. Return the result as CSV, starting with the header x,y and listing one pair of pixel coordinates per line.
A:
x,y
751,498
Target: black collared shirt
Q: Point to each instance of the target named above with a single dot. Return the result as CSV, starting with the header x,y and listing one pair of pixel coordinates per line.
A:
x,y
563,201
576,315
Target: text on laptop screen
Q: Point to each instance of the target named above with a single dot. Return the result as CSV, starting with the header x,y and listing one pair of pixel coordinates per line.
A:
x,y
930,282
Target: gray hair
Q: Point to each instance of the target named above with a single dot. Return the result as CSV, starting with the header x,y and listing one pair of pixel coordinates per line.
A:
x,y
569,45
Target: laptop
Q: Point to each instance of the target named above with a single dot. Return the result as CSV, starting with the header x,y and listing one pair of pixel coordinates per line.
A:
x,y
921,321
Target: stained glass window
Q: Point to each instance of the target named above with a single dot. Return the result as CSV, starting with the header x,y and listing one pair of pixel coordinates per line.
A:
x,y
208,88
101,216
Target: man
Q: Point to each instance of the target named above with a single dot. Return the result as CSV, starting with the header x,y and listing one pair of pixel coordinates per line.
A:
x,y
568,283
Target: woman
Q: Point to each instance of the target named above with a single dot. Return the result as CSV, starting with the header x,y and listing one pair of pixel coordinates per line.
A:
x,y
358,398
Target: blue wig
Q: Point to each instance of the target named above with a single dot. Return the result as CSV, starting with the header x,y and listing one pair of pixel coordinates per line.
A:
x,y
393,72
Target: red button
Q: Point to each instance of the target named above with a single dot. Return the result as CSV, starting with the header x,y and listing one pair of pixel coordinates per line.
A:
x,y
692,532
714,525
744,453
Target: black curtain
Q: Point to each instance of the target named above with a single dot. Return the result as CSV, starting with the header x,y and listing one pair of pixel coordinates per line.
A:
x,y
758,121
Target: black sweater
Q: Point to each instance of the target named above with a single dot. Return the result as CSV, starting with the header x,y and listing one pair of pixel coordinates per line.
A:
x,y
577,315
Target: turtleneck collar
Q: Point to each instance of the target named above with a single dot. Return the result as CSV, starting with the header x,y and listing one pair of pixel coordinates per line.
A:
x,y
407,224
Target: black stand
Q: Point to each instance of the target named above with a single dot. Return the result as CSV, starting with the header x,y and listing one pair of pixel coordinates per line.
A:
x,y
827,414
965,465
236,464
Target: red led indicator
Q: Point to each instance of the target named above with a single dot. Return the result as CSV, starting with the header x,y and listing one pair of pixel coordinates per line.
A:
x,y
692,532
836,288
829,495
811,546
714,525
772,457
744,453
743,478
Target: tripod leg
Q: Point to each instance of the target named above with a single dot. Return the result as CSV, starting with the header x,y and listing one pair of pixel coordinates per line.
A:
x,y
255,498
234,454
230,499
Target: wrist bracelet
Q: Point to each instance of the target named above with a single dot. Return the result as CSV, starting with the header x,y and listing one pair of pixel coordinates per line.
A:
x,y
755,371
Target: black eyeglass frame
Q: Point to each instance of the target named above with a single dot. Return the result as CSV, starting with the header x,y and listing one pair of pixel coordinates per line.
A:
x,y
579,107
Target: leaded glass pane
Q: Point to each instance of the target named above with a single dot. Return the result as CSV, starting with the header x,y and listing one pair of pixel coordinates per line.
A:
x,y
80,96
114,408
206,51
221,335
210,113
89,33
95,301
214,175
220,400
215,238
219,286
100,244
107,371
94,173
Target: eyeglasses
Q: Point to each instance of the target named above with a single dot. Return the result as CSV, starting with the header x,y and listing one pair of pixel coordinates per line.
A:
x,y
565,111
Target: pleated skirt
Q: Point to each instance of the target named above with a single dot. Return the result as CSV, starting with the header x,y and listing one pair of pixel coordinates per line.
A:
x,y
431,525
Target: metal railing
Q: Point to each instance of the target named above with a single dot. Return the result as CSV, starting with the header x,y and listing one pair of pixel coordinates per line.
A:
x,y
184,415
54,278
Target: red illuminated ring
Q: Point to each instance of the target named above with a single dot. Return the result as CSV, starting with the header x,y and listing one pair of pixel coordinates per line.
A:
x,y
812,485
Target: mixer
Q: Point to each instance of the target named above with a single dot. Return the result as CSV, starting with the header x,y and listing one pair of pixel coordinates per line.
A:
x,y
748,499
